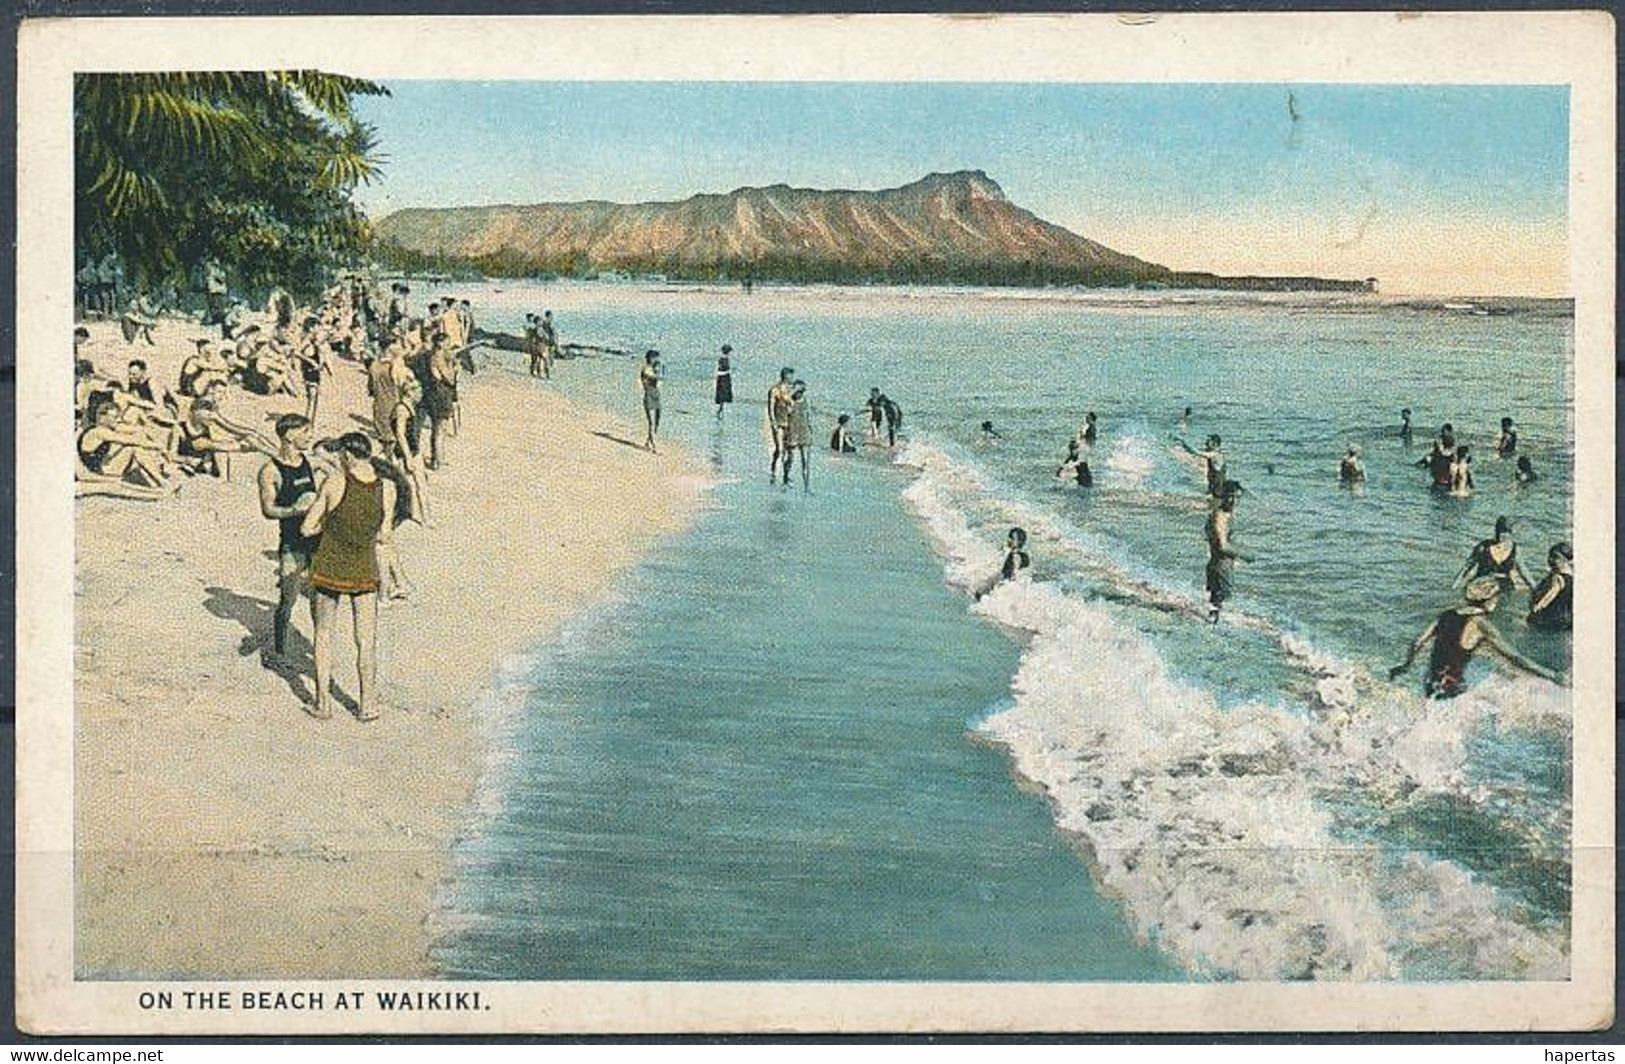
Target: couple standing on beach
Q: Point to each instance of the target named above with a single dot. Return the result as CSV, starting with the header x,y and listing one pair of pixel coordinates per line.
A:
x,y
788,426
332,534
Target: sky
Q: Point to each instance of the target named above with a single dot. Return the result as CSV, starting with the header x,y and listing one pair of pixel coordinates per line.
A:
x,y
1431,189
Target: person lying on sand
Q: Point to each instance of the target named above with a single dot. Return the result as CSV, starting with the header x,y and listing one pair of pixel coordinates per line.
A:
x,y
1456,634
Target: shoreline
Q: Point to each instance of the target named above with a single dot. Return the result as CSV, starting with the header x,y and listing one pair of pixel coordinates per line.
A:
x,y
221,831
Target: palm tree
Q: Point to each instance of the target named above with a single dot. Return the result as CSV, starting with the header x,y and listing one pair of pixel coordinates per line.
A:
x,y
172,168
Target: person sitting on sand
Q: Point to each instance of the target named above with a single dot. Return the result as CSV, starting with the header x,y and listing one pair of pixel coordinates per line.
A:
x,y
112,452
649,382
780,399
840,440
1551,603
723,390
1526,471
207,433
87,383
1497,557
287,487
1016,561
138,320
1350,472
1222,554
202,368
1506,441
406,448
350,520
797,434
1456,634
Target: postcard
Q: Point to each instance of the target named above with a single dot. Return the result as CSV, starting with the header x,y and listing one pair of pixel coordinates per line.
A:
x,y
811,523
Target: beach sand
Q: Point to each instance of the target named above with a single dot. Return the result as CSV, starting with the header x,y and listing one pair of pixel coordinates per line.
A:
x,y
223,832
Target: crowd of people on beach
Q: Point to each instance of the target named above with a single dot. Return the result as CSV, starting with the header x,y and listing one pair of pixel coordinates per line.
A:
x,y
336,501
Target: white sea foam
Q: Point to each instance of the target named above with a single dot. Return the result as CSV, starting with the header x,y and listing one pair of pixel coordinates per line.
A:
x,y
1212,823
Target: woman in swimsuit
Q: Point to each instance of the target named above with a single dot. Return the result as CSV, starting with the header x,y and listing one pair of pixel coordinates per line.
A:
x,y
1016,559
797,434
1497,557
1551,603
1456,634
351,517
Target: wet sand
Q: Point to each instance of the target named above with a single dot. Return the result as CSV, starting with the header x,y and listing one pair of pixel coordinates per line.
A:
x,y
223,832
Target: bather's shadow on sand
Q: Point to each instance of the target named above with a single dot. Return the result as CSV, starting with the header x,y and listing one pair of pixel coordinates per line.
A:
x,y
623,441
257,615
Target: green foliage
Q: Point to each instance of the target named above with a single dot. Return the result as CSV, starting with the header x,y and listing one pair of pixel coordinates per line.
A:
x,y
253,169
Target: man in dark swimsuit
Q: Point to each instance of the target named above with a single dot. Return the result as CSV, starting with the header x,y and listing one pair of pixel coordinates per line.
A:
x,y
1506,444
1016,559
894,419
1405,430
287,486
1439,460
1551,603
1456,634
1221,552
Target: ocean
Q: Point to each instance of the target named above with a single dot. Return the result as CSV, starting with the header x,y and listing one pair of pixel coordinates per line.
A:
x,y
794,746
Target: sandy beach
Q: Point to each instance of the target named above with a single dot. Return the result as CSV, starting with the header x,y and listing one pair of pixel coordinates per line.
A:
x,y
223,832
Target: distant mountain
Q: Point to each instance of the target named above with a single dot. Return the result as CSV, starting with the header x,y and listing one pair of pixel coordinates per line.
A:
x,y
944,228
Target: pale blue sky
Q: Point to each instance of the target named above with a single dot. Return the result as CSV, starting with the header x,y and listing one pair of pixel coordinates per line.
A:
x,y
1129,165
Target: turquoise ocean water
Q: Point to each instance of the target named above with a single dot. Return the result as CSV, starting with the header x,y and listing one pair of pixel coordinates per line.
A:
x,y
793,746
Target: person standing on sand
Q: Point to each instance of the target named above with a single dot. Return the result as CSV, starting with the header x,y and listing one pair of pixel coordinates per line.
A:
x,y
287,485
533,344
351,519
1455,634
1221,552
649,382
439,397
780,400
550,343
724,381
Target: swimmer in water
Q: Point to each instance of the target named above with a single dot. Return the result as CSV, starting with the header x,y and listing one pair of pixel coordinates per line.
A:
x,y
1440,459
1526,471
1221,552
989,434
1551,603
1506,443
1497,557
1088,432
1350,472
840,441
1456,634
1016,559
1185,420
1461,473
1213,464
1405,431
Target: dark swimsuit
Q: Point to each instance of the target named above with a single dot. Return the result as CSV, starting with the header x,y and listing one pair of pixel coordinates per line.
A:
x,y
94,459
295,481
1449,662
1484,565
1558,615
1014,561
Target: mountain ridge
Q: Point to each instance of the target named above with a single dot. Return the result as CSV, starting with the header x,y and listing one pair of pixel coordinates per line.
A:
x,y
945,227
